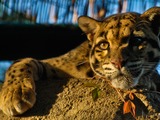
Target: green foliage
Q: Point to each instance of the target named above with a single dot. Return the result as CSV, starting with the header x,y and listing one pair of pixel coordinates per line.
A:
x,y
95,92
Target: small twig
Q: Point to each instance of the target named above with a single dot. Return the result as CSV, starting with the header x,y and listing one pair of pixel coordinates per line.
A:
x,y
118,91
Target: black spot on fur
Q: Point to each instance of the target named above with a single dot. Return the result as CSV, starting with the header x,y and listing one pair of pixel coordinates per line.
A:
x,y
28,71
10,81
101,34
62,59
119,24
111,27
127,24
21,70
115,18
79,66
9,74
12,76
132,21
57,60
90,73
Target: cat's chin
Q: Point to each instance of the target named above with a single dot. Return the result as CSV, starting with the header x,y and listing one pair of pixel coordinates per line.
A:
x,y
122,82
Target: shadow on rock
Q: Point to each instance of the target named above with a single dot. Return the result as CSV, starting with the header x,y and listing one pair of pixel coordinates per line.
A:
x,y
46,96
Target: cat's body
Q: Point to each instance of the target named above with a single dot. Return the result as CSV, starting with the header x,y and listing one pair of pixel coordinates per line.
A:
x,y
123,48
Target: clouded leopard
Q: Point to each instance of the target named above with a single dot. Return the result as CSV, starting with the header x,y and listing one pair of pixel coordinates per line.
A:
x,y
123,48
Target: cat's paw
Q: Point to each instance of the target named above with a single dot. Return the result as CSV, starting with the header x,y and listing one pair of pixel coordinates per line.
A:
x,y
17,98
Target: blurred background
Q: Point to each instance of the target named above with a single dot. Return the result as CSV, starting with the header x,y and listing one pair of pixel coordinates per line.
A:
x,y
67,11
29,27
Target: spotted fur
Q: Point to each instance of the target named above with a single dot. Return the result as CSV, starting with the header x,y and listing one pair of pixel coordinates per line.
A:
x,y
123,49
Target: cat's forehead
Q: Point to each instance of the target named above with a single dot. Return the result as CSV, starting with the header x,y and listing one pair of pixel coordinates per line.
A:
x,y
123,19
118,26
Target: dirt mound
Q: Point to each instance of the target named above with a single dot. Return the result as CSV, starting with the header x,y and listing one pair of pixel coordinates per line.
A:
x,y
79,99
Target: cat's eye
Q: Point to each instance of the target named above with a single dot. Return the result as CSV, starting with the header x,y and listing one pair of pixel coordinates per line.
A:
x,y
139,43
138,40
140,46
103,45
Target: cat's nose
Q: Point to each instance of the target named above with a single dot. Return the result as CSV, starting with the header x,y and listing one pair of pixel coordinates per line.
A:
x,y
118,63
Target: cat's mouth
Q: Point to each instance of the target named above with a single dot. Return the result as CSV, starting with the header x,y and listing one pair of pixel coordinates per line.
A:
x,y
124,79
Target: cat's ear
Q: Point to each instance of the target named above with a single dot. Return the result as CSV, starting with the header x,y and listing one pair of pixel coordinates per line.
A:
x,y
153,16
89,26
